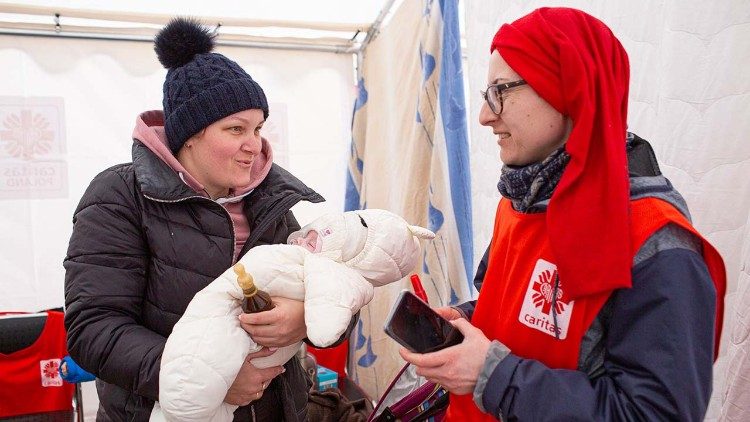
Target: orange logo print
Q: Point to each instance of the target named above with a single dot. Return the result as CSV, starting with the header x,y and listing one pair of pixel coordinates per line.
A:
x,y
544,290
25,135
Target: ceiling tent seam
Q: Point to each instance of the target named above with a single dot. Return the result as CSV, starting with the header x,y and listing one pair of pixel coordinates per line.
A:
x,y
162,19
79,23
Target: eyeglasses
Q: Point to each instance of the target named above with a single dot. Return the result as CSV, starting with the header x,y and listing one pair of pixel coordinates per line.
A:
x,y
494,95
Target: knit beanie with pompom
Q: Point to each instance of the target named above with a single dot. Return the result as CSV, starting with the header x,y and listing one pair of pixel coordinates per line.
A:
x,y
201,87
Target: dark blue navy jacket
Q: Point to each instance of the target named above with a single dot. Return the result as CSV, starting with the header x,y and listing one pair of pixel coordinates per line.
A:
x,y
648,356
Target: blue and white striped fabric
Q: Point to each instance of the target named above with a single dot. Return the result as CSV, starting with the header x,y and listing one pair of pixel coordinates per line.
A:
x,y
410,155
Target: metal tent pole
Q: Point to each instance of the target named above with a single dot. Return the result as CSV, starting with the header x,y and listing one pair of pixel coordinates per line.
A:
x,y
329,48
372,33
79,402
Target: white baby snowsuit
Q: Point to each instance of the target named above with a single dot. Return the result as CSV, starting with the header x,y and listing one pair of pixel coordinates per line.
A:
x,y
207,346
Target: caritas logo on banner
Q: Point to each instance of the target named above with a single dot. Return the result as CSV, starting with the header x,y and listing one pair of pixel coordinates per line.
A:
x,y
32,148
541,297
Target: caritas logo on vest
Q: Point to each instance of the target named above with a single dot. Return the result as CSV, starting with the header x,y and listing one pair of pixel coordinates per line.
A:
x,y
51,373
541,297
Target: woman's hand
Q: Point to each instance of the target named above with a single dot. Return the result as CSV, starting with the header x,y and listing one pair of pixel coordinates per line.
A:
x,y
281,326
251,381
457,367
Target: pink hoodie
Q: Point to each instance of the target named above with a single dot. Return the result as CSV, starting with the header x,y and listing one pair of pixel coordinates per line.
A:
x,y
149,130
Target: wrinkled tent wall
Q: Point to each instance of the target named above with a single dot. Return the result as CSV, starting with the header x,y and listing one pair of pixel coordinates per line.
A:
x,y
735,395
690,97
103,85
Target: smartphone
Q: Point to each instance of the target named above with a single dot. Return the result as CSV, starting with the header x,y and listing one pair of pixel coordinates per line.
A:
x,y
416,326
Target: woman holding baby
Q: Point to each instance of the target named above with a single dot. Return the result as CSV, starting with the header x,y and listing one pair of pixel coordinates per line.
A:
x,y
201,191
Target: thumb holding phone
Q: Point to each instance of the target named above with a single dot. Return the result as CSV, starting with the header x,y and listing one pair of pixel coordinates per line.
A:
x,y
448,313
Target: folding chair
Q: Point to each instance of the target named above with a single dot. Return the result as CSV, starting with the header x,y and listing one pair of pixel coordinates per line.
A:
x,y
31,347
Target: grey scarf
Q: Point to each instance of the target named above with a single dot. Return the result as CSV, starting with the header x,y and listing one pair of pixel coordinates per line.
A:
x,y
529,185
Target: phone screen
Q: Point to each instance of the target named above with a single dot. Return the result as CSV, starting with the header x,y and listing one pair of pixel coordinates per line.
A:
x,y
419,328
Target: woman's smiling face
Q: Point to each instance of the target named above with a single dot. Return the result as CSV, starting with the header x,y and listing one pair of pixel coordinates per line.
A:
x,y
221,156
529,129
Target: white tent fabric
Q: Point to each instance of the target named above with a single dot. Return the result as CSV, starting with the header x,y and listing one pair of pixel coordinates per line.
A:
x,y
329,12
690,97
95,89
735,397
410,156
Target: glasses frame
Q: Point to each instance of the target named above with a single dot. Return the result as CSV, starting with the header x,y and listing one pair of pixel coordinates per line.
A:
x,y
500,88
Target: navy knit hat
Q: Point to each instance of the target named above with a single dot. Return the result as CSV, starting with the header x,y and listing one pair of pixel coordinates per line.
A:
x,y
201,87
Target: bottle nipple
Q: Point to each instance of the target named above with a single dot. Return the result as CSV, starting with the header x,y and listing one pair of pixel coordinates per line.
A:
x,y
244,279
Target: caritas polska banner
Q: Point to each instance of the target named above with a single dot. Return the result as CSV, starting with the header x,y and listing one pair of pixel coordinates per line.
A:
x,y
32,148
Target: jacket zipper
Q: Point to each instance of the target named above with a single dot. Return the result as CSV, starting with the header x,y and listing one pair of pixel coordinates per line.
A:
x,y
284,205
229,217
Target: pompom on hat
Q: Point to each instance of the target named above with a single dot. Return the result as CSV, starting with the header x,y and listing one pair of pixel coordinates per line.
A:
x,y
201,87
575,62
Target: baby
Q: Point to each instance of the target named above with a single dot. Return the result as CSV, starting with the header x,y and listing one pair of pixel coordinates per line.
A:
x,y
332,264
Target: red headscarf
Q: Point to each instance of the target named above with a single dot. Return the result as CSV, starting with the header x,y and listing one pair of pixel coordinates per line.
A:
x,y
576,64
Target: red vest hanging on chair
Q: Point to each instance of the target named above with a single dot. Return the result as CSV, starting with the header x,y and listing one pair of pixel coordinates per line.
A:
x,y
30,382
518,294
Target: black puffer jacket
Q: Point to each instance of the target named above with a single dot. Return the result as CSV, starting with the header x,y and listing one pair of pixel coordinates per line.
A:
x,y
143,244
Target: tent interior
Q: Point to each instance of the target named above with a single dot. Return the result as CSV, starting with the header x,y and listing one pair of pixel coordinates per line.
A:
x,y
89,69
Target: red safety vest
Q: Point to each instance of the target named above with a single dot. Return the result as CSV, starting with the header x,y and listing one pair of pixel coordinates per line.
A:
x,y
29,378
518,294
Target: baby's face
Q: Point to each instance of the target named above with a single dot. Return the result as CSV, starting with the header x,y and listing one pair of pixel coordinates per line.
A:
x,y
311,242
